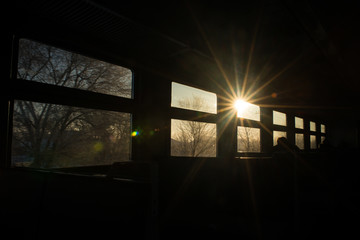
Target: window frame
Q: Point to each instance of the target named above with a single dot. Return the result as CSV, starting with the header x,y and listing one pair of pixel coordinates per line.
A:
x,y
177,113
249,123
26,90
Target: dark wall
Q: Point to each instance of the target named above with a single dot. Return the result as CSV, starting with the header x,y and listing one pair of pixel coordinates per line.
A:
x,y
44,205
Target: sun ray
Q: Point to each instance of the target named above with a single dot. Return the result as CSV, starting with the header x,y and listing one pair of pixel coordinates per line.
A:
x,y
276,76
229,95
207,42
252,47
236,70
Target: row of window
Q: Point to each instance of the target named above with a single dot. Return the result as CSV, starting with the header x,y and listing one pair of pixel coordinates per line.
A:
x,y
48,135
193,138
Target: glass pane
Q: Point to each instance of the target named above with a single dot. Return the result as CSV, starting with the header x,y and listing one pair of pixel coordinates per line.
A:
x,y
299,140
322,139
299,123
56,136
247,110
46,64
248,139
277,135
186,97
193,139
279,118
312,126
312,142
322,128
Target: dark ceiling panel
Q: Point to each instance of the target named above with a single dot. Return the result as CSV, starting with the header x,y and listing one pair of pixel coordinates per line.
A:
x,y
305,52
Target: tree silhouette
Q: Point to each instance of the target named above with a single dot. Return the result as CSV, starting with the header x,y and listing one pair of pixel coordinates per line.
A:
x,y
248,139
193,138
50,135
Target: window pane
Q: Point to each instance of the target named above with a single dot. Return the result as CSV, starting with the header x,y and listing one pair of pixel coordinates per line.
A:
x,y
248,139
277,135
56,136
322,139
186,97
312,142
193,139
46,64
247,110
322,128
312,126
299,123
299,140
279,118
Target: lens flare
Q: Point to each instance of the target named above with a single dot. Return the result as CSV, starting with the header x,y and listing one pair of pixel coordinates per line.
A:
x,y
98,146
134,133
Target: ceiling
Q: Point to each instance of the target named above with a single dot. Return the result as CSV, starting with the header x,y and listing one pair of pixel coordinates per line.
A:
x,y
301,55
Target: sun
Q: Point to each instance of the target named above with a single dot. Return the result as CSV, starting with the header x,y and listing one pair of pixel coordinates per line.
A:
x,y
240,106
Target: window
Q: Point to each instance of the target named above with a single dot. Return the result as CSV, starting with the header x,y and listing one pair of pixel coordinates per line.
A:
x,y
248,139
322,139
322,126
312,142
299,123
193,139
279,118
56,136
277,135
247,110
299,140
46,64
190,98
312,126
49,132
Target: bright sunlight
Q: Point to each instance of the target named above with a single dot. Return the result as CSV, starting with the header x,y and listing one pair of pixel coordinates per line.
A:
x,y
247,110
240,106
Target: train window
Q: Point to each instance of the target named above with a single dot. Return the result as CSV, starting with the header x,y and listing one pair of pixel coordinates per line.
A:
x,y
193,138
279,118
248,139
247,110
322,126
299,123
56,136
299,140
186,97
312,126
313,142
277,135
46,64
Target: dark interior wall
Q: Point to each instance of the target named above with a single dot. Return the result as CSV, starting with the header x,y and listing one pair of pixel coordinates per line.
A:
x,y
309,196
344,131
262,198
43,205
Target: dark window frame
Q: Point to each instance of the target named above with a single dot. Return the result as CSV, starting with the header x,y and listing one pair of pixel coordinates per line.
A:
x,y
178,113
25,90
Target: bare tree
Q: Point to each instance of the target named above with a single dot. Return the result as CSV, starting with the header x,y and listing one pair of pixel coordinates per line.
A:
x,y
58,136
248,139
193,138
